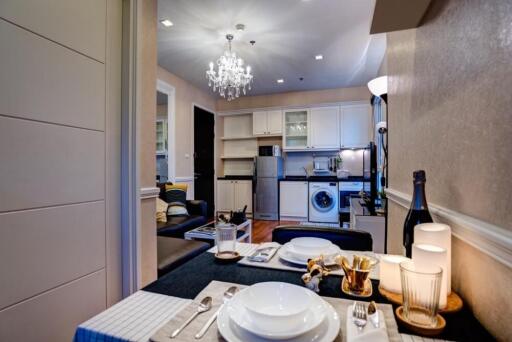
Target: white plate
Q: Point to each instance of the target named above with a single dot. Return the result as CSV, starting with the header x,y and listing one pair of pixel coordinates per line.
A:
x,y
287,253
327,331
310,244
314,316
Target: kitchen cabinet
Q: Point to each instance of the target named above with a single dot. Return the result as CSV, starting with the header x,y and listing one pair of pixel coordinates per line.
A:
x,y
324,131
293,200
296,129
234,195
355,125
267,123
161,136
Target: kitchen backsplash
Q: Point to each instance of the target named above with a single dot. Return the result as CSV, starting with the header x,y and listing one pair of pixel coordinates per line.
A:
x,y
295,162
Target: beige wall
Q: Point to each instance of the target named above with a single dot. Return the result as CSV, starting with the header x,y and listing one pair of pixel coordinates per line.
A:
x,y
146,100
449,113
60,123
186,95
297,98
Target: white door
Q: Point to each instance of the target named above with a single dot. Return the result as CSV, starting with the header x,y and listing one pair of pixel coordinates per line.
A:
x,y
243,195
324,127
259,123
225,195
355,125
275,122
293,199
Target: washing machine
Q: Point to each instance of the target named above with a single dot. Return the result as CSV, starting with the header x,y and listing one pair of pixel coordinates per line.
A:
x,y
323,202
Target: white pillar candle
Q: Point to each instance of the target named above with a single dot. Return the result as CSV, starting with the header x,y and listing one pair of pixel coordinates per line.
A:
x,y
390,272
440,235
425,256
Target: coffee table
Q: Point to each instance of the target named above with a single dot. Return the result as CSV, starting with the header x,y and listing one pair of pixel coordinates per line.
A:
x,y
207,232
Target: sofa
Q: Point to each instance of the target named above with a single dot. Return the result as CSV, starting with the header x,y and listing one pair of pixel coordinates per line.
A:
x,y
177,226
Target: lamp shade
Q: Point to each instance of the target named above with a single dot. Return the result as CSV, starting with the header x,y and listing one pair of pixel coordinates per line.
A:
x,y
378,86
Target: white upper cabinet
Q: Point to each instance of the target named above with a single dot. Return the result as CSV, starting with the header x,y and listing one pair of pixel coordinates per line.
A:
x,y
259,123
296,129
324,131
267,122
355,125
275,122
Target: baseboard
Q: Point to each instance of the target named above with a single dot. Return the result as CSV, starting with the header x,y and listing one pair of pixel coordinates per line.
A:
x,y
184,179
492,240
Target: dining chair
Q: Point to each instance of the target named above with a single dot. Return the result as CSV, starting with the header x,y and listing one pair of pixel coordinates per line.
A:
x,y
348,239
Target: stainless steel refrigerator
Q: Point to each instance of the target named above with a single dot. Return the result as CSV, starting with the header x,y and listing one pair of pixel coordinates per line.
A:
x,y
267,172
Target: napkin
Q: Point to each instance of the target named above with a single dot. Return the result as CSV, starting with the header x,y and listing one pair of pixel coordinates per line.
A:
x,y
269,253
369,333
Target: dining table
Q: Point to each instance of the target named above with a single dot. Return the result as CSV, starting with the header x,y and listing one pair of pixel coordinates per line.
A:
x,y
173,291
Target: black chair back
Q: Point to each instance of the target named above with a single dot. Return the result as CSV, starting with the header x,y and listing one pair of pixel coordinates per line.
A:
x,y
348,239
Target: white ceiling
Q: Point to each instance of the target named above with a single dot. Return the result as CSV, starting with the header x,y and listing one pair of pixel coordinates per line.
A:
x,y
288,34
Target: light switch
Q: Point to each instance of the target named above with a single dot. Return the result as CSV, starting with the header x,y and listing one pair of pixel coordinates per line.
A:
x,y
187,155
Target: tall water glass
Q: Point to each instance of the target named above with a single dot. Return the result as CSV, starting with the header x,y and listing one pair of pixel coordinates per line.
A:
x,y
420,290
225,239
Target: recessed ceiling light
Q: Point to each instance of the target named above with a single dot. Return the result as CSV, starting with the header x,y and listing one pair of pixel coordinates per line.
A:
x,y
319,57
280,80
166,22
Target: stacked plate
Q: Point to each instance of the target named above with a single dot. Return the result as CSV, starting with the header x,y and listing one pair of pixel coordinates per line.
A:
x,y
299,250
278,311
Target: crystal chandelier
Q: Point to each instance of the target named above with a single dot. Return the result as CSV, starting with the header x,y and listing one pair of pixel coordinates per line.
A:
x,y
230,76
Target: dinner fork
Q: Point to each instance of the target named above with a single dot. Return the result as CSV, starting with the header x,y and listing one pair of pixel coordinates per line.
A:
x,y
359,315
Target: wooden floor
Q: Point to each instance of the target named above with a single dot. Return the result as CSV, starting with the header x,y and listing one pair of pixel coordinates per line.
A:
x,y
262,230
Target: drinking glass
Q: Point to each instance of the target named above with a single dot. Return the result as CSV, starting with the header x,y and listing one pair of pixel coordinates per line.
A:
x,y
225,239
420,290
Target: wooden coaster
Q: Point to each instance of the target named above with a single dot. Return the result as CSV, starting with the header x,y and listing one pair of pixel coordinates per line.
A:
x,y
227,256
453,303
368,289
420,329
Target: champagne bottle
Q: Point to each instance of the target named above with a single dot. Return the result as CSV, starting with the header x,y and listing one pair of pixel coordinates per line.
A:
x,y
418,213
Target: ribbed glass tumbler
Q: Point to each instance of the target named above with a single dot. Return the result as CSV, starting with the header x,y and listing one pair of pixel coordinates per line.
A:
x,y
420,290
225,238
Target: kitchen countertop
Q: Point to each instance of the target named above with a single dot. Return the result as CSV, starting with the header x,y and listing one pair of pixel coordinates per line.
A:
x,y
316,178
234,177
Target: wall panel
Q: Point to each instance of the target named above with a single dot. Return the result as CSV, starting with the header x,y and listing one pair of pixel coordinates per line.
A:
x,y
49,247
55,315
77,24
44,164
41,80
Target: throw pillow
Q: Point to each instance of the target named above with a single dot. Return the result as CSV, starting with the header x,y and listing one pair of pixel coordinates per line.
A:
x,y
175,193
177,209
161,210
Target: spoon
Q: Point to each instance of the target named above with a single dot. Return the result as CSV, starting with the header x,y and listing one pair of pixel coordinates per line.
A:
x,y
205,305
227,297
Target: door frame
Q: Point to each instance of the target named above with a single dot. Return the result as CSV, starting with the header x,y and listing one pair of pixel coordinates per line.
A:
x,y
170,91
193,147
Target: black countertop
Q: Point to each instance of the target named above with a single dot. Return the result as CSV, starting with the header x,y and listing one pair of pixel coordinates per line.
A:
x,y
235,177
315,178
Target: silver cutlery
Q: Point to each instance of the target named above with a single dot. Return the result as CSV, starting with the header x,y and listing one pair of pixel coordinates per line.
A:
x,y
359,315
373,314
260,255
205,305
226,298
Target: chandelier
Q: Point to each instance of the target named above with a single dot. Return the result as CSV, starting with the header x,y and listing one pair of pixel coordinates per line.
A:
x,y
230,77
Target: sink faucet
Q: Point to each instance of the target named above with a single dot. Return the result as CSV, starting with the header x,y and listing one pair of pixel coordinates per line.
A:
x,y
305,171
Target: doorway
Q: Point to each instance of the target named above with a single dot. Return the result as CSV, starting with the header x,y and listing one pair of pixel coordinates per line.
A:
x,y
165,133
204,169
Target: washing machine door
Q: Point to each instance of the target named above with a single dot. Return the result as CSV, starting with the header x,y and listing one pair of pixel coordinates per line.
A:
x,y
323,200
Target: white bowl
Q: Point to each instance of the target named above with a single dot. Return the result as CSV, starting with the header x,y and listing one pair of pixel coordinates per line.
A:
x,y
310,245
303,257
275,306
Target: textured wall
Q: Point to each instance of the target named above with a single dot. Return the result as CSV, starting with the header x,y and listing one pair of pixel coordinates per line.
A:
x,y
297,98
449,113
450,107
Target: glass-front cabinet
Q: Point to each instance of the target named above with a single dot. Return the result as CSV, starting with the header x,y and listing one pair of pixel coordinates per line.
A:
x,y
161,136
296,129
